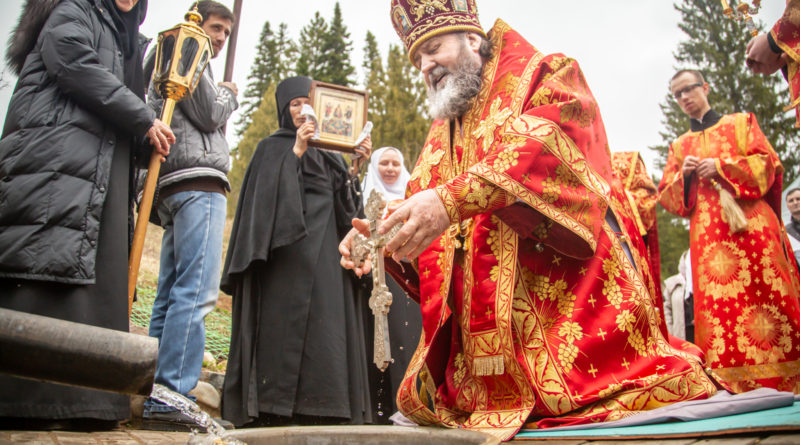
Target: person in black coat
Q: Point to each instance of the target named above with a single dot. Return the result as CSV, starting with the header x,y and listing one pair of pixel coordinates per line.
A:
x,y
75,116
297,351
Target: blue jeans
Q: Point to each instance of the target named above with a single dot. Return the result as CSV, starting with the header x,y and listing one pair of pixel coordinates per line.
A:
x,y
188,286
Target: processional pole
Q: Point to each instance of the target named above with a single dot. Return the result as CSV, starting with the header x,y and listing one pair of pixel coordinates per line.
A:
x,y
181,56
237,13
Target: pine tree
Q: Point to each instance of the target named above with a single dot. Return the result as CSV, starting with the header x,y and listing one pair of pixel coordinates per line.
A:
x,y
263,123
311,58
336,66
374,82
275,53
716,47
405,122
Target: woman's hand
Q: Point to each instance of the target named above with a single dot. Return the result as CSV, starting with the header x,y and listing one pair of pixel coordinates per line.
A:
x,y
361,155
161,138
304,133
359,226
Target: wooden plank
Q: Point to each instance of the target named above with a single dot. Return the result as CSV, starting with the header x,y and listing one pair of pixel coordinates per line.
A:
x,y
781,439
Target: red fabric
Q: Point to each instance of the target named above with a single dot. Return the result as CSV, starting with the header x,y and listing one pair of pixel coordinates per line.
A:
x,y
747,314
553,321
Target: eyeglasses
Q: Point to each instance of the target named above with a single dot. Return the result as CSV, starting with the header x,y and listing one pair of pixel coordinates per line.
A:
x,y
678,94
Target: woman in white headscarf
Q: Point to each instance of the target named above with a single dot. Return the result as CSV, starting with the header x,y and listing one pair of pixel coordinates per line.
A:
x,y
388,175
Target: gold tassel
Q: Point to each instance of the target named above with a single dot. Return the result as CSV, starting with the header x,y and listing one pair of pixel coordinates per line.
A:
x,y
490,365
733,213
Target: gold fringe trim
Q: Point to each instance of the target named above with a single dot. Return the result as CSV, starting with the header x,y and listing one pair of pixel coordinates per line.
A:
x,y
733,213
489,365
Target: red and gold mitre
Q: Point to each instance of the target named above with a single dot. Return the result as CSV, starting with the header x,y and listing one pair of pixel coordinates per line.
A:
x,y
418,20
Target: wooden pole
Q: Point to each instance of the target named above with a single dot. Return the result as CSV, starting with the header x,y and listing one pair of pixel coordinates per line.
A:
x,y
237,13
145,207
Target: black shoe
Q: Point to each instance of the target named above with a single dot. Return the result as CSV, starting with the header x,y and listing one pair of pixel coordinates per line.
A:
x,y
175,421
168,421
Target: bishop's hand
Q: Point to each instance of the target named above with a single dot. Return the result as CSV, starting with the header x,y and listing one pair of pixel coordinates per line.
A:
x,y
424,217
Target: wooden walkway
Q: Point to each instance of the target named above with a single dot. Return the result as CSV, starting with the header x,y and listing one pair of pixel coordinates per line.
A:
x,y
139,437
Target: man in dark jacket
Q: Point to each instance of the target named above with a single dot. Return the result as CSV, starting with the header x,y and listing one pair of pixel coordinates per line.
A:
x,y
191,207
65,155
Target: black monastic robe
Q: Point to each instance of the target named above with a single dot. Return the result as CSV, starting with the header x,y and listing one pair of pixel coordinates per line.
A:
x,y
297,343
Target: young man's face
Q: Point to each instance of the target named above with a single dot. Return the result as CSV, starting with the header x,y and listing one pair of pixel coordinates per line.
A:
x,y
218,29
691,94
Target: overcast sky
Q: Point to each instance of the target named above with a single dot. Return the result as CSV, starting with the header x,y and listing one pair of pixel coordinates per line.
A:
x,y
623,46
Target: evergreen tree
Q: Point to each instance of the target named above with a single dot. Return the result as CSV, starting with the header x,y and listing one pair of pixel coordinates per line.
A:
x,y
311,57
336,66
274,57
374,81
405,122
715,46
263,123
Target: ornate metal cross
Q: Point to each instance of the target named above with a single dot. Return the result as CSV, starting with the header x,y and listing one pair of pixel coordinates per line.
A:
x,y
381,297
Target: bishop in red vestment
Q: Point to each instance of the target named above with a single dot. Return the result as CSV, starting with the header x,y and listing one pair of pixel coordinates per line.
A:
x,y
746,308
531,275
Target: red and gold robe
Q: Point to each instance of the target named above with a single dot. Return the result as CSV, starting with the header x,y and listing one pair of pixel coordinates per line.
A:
x,y
747,315
531,309
642,194
786,34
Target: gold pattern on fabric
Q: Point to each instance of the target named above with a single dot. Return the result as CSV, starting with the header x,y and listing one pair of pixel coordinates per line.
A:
x,y
657,391
763,371
764,333
575,112
427,161
561,146
486,128
450,204
532,324
536,202
723,270
420,7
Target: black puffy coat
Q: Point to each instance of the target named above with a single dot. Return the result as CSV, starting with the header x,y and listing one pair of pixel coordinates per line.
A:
x,y
69,110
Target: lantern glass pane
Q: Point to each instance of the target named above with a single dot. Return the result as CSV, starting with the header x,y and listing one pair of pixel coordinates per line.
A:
x,y
165,57
188,53
200,67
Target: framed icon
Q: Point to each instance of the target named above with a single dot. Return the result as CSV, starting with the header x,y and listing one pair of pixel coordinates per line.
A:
x,y
341,115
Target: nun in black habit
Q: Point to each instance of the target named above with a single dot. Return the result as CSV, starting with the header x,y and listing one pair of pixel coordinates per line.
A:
x,y
297,353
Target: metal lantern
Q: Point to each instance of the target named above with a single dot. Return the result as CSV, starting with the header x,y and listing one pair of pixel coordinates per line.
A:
x,y
182,54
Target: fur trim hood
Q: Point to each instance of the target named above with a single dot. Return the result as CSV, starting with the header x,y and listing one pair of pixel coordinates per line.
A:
x,y
24,36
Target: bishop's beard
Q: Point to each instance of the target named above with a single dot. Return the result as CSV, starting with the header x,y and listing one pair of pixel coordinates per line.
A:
x,y
454,97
